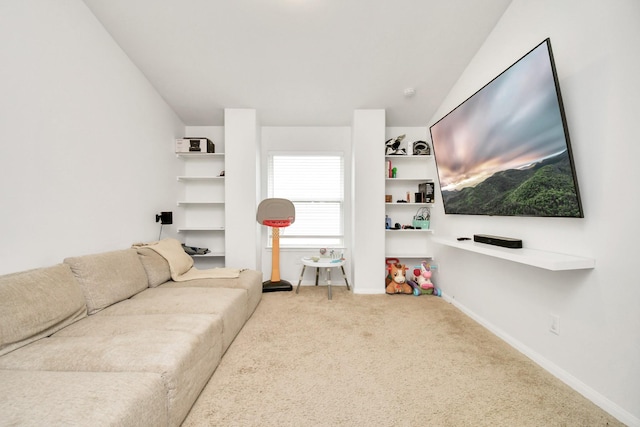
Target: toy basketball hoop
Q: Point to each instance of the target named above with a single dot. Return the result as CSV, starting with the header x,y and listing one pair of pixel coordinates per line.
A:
x,y
276,213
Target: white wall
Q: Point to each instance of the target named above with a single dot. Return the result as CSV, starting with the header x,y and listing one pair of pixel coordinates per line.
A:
x,y
310,140
87,144
596,47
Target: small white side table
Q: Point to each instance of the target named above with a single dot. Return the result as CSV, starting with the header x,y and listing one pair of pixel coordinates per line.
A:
x,y
327,263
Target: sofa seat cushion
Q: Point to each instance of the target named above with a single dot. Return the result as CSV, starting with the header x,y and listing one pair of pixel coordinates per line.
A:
x,y
206,327
108,277
180,358
229,304
37,303
63,399
249,280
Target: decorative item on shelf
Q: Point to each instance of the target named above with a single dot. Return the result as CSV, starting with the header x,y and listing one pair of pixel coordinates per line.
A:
x,y
428,191
393,147
422,218
388,198
221,173
394,172
195,145
194,250
387,222
421,148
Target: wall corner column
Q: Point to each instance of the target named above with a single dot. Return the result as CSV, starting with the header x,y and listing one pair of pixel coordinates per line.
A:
x,y
368,239
242,171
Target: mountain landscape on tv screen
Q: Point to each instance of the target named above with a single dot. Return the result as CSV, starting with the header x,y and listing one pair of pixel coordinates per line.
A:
x,y
545,188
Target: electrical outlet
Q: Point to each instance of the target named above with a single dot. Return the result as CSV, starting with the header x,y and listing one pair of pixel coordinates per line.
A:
x,y
554,325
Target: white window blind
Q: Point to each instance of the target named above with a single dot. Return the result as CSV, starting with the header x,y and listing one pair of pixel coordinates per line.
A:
x,y
315,185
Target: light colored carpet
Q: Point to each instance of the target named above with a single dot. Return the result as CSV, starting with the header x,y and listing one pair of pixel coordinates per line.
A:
x,y
379,360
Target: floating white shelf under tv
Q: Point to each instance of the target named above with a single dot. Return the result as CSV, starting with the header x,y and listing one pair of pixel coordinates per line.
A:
x,y
537,258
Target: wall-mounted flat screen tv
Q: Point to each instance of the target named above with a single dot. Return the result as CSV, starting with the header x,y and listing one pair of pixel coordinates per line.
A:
x,y
506,150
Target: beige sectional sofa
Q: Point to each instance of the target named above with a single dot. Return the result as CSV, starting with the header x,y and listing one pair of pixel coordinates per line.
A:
x,y
110,339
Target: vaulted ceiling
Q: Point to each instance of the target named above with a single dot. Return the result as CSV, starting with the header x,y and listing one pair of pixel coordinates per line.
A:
x,y
300,62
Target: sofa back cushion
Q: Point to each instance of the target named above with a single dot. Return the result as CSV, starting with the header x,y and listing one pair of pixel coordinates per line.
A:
x,y
155,265
36,303
108,277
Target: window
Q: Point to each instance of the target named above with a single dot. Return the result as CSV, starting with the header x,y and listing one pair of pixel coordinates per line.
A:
x,y
315,185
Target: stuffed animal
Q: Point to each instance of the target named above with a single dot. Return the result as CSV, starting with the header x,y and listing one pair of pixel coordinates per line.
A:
x,y
424,280
397,281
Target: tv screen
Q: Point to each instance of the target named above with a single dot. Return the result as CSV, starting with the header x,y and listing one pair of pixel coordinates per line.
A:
x,y
506,150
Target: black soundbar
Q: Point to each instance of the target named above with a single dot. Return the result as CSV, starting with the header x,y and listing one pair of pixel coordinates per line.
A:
x,y
505,242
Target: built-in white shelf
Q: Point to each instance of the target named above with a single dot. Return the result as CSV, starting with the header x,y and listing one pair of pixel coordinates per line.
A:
x,y
409,245
202,185
534,257
409,230
199,178
201,155
408,179
200,229
408,156
185,203
420,256
209,255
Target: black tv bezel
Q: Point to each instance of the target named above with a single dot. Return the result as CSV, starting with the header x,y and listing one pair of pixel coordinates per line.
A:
x,y
565,128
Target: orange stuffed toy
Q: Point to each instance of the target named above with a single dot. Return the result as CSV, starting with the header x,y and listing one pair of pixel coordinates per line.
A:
x,y
397,281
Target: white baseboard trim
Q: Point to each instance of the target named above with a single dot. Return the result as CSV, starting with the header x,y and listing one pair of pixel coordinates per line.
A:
x,y
367,291
611,407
